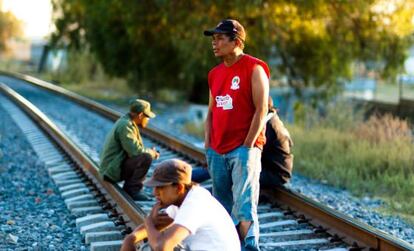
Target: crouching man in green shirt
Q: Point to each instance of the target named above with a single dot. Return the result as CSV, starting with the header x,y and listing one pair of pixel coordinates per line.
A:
x,y
124,156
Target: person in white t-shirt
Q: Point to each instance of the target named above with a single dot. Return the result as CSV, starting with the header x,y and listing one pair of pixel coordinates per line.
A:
x,y
186,216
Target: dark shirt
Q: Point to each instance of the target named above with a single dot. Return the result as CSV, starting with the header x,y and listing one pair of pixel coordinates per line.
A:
x,y
277,158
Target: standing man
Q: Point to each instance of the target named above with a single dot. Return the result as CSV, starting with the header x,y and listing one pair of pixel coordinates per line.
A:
x,y
234,135
191,218
124,156
277,158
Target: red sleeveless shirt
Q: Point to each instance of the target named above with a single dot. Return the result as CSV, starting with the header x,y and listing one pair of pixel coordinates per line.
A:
x,y
232,104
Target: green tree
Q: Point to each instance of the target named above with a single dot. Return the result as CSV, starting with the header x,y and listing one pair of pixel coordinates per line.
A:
x,y
159,44
9,27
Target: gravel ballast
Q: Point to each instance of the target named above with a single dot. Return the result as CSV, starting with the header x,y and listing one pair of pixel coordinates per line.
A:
x,y
33,215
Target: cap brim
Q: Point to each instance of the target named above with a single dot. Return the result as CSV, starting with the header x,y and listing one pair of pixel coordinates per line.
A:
x,y
156,183
150,114
214,31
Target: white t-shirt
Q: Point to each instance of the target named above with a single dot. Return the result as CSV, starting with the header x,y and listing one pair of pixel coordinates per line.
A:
x,y
210,226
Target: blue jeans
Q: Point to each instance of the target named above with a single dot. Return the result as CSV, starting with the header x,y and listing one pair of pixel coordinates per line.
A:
x,y
199,175
238,171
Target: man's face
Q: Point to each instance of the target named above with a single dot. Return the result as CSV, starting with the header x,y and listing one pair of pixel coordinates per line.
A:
x,y
144,121
166,195
222,45
141,119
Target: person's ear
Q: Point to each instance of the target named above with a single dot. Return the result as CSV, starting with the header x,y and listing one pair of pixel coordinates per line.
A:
x,y
237,42
180,188
140,115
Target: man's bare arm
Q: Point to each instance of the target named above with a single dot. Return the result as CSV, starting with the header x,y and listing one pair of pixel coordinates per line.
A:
x,y
166,240
138,235
159,220
260,93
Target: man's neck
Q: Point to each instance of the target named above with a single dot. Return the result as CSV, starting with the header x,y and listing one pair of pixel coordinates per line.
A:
x,y
232,58
134,119
181,199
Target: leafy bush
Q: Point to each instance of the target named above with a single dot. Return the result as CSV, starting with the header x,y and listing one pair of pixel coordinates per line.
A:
x,y
85,75
81,68
310,43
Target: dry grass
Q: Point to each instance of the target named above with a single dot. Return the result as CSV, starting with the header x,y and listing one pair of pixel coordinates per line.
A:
x,y
383,128
373,157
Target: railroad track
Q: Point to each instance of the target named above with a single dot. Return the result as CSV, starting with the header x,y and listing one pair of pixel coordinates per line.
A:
x,y
288,220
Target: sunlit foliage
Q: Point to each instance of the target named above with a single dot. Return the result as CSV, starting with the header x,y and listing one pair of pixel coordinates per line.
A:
x,y
9,27
311,43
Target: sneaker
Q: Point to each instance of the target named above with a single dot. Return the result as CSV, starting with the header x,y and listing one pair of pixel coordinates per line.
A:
x,y
139,196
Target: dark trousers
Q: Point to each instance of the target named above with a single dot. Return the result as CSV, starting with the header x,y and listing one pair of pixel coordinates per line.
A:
x,y
134,170
269,179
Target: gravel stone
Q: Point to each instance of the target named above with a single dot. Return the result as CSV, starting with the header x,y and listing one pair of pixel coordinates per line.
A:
x,y
28,212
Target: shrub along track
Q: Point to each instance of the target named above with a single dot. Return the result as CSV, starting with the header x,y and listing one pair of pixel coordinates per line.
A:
x,y
288,220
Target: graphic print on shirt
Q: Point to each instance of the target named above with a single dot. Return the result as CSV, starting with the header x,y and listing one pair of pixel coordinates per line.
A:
x,y
235,83
226,102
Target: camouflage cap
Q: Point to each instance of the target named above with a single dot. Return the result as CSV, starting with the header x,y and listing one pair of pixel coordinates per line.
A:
x,y
140,105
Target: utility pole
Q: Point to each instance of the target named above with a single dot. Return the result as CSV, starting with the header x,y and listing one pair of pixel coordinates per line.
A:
x,y
400,88
400,93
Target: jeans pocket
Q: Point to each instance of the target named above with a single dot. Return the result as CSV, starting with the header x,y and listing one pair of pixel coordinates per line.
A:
x,y
246,148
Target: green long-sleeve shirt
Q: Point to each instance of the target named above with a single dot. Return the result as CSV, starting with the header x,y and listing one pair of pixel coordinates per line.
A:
x,y
123,141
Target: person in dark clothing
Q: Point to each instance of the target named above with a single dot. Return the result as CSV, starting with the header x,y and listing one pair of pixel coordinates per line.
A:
x,y
277,159
124,156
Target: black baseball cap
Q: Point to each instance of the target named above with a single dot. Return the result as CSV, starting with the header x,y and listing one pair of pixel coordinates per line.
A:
x,y
230,27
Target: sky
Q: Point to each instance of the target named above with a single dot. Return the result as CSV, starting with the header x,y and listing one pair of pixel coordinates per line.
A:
x,y
36,16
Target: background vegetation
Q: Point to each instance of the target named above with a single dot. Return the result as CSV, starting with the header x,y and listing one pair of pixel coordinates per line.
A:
x,y
84,74
9,27
374,157
369,157
159,44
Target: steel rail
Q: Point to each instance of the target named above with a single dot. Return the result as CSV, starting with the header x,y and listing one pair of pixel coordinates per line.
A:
x,y
336,223
107,112
134,215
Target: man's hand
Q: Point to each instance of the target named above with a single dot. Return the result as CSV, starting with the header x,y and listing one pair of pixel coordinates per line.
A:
x,y
154,211
160,219
154,153
248,144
